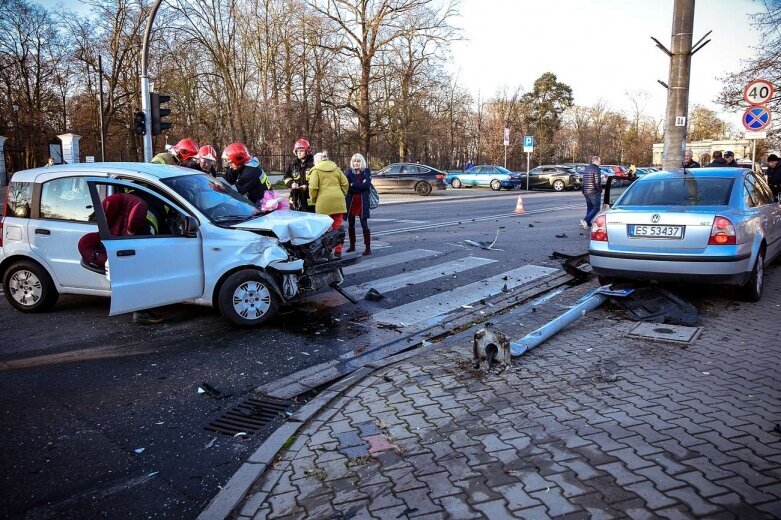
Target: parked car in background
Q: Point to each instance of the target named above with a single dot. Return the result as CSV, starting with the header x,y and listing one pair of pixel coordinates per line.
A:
x,y
645,170
618,171
495,177
418,178
148,235
579,169
707,225
555,177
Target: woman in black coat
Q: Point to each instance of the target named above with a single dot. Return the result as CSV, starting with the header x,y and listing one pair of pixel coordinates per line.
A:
x,y
360,179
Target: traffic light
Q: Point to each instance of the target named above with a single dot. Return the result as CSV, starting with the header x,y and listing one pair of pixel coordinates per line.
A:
x,y
158,125
139,123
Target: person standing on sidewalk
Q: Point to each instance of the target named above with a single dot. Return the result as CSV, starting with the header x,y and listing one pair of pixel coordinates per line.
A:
x,y
327,188
592,190
718,161
359,176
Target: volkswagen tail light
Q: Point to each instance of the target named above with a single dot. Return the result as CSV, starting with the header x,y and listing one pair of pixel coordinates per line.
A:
x,y
722,232
599,229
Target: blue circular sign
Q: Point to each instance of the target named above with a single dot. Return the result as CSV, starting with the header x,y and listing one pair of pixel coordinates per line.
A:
x,y
756,118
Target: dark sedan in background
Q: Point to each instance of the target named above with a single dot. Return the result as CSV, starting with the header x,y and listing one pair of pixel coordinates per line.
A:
x,y
419,178
556,177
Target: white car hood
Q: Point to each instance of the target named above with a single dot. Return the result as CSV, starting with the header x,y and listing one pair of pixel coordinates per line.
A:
x,y
296,227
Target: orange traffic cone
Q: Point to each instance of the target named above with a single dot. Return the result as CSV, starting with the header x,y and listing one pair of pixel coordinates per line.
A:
x,y
519,206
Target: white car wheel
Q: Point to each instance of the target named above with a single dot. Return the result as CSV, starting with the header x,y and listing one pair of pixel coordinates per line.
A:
x,y
558,185
752,291
29,288
456,183
248,298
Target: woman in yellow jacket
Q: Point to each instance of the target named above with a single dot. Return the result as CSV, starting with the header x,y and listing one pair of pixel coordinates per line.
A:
x,y
327,188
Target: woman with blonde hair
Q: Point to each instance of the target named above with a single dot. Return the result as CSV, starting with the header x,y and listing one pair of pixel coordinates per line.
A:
x,y
359,176
327,188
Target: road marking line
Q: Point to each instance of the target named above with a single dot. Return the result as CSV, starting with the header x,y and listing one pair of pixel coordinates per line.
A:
x,y
399,281
367,264
468,220
446,302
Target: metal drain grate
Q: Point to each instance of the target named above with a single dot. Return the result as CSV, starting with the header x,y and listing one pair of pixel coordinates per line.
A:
x,y
249,416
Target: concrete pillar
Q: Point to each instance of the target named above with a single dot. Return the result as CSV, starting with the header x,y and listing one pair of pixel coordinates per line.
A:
x,y
70,148
3,169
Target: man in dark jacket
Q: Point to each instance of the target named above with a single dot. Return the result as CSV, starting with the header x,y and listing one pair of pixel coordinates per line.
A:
x,y
729,159
249,180
774,174
718,161
296,177
688,161
592,190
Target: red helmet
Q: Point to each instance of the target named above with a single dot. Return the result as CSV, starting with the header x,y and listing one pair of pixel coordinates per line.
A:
x,y
236,154
302,143
207,152
185,149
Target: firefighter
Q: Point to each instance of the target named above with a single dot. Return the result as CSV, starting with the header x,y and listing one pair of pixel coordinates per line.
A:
x,y
250,181
206,160
296,177
181,154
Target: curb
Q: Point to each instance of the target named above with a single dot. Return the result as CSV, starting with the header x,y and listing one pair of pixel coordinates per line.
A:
x,y
229,498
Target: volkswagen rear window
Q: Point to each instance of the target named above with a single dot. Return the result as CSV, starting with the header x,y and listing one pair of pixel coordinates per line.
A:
x,y
686,191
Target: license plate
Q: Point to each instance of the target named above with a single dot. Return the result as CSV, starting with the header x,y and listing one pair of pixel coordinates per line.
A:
x,y
655,231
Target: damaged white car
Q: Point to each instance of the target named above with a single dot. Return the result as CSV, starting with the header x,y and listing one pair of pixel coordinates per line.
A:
x,y
149,235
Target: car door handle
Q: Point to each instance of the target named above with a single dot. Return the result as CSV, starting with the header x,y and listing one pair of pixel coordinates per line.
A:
x,y
126,252
41,231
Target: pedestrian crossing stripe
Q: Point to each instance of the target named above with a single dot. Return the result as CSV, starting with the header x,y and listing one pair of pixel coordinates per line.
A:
x,y
367,264
433,307
399,281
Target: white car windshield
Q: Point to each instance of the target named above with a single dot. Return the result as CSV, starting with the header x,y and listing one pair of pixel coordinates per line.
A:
x,y
218,201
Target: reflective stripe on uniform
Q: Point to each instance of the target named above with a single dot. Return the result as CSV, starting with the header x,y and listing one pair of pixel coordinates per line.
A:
x,y
150,217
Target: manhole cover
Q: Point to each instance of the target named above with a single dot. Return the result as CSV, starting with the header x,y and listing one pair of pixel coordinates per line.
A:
x,y
249,416
673,333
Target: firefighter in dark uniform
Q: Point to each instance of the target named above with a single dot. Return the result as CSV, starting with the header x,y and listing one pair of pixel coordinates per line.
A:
x,y
296,177
250,181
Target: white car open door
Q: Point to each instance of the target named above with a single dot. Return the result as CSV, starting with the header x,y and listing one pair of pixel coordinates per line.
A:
x,y
148,270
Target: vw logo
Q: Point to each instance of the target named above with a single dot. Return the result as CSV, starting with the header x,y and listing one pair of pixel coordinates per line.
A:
x,y
655,218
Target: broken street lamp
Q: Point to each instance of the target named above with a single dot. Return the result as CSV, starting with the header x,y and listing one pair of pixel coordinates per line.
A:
x,y
139,123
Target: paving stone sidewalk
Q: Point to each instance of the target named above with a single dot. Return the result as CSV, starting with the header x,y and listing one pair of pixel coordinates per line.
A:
x,y
588,425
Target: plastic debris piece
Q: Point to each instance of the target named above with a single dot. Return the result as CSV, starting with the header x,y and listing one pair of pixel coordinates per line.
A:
x,y
211,443
466,306
240,434
139,450
563,235
373,295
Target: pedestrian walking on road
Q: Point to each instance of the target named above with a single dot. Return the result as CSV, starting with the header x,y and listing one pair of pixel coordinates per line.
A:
x,y
359,177
328,187
296,177
688,161
774,174
718,161
592,190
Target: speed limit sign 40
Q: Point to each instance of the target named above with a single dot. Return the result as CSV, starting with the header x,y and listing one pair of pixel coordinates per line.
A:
x,y
758,92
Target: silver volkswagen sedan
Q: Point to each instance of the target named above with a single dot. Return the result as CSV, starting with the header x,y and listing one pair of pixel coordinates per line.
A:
x,y
707,225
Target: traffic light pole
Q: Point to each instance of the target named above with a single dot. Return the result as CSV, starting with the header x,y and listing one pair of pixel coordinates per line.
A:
x,y
145,104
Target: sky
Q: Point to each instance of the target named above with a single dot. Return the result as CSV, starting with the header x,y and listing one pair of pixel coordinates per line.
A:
x,y
601,48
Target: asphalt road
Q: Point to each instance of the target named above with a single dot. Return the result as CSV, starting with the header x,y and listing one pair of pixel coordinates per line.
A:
x,y
101,417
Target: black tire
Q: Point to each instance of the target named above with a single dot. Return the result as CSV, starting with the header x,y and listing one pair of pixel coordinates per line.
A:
x,y
248,298
558,185
456,183
29,288
752,290
423,188
496,185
